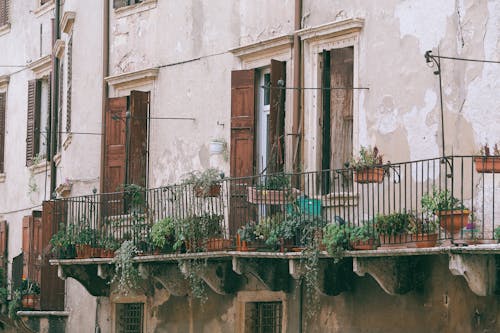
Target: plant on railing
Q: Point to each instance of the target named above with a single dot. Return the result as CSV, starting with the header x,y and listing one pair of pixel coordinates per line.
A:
x,y
363,237
63,242
392,228
336,239
273,189
488,162
424,232
135,198
163,234
206,183
198,232
277,181
368,166
192,271
85,239
451,211
126,274
108,245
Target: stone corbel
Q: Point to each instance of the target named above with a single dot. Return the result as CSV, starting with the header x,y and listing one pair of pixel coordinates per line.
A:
x,y
478,270
88,276
171,278
334,278
219,276
103,271
395,275
273,273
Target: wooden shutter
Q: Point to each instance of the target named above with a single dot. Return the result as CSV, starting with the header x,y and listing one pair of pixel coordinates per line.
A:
x,y
2,130
37,246
341,106
242,122
4,12
68,88
138,148
51,287
114,160
33,121
277,117
27,237
3,244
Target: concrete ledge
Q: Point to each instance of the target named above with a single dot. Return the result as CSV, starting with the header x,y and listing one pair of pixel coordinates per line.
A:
x,y
43,313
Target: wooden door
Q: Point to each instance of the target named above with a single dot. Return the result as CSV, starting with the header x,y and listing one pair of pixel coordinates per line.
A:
x,y
242,145
115,154
138,148
27,239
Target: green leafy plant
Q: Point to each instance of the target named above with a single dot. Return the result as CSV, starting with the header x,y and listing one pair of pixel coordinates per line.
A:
x,y
126,274
440,200
86,236
203,181
426,226
497,233
363,232
109,243
275,182
248,232
194,229
192,271
367,158
336,239
163,233
485,150
15,304
393,224
63,242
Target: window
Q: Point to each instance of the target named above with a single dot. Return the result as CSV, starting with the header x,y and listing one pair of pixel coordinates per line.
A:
x,y
263,317
4,12
3,97
129,317
68,84
37,136
123,3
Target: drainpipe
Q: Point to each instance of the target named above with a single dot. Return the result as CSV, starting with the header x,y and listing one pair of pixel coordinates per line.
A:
x,y
55,103
296,124
105,73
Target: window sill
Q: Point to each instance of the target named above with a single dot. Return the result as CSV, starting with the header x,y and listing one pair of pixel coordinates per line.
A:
x,y
4,29
67,141
39,168
45,8
2,177
135,8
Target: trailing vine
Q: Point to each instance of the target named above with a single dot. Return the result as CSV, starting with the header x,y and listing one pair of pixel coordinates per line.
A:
x,y
191,269
126,273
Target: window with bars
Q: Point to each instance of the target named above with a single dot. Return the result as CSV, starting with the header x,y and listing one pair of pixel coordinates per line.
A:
x,y
129,317
263,317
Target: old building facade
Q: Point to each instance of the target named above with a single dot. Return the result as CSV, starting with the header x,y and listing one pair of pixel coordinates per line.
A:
x,y
98,95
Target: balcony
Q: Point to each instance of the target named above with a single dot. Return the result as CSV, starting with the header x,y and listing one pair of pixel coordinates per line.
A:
x,y
390,213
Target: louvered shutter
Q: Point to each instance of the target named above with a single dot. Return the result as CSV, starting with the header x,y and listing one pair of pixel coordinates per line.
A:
x,y
2,130
27,238
68,88
4,12
33,121
3,244
137,159
277,117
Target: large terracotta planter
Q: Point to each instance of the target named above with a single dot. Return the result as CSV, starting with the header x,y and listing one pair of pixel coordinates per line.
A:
x,y
83,251
271,197
217,244
213,191
453,220
369,175
363,245
423,240
487,164
397,241
30,301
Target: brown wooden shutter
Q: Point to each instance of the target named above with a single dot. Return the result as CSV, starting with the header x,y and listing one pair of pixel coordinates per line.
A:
x,y
114,160
341,106
51,287
277,117
37,246
4,12
33,121
137,159
242,122
2,130
27,237
3,244
68,88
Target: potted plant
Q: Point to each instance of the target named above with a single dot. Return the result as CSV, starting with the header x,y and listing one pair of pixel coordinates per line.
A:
x,y
213,232
245,235
368,166
423,232
451,212
163,234
336,239
274,190
496,234
392,229
109,245
487,162
30,294
362,237
205,184
126,274
84,239
63,243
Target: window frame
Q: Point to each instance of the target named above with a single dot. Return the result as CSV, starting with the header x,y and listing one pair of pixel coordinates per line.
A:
x,y
262,296
116,299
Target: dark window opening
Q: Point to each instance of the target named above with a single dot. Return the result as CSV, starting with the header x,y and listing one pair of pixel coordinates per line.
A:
x,y
263,317
124,3
129,317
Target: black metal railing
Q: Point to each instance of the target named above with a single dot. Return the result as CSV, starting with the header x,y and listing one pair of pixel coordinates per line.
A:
x,y
354,198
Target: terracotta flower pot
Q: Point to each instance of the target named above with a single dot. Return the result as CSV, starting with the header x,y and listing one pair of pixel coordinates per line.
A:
x,y
271,197
397,241
217,244
30,301
487,164
363,245
369,175
83,251
423,240
453,220
105,253
213,191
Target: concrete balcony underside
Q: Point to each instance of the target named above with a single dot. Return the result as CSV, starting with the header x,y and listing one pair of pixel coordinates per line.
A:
x,y
397,271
